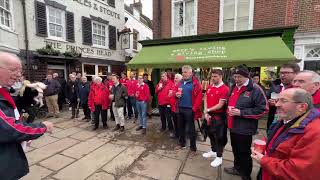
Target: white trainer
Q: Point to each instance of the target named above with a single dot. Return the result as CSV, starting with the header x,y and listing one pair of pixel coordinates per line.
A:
x,y
209,154
217,162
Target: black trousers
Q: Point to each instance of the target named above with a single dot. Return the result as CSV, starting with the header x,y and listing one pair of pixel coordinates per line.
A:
x,y
125,108
165,116
97,111
86,110
61,100
32,112
111,113
241,148
74,107
186,126
175,123
217,133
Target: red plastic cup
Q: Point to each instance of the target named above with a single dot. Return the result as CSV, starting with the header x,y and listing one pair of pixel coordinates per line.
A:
x,y
180,90
259,145
230,108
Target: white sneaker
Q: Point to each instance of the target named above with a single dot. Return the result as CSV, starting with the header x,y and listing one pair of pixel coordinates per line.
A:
x,y
209,154
217,162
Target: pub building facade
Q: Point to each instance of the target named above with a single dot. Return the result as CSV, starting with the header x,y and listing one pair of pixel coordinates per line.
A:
x,y
70,35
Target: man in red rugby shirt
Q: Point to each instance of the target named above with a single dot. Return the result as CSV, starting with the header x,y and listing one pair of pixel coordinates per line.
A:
x,y
215,115
142,97
309,81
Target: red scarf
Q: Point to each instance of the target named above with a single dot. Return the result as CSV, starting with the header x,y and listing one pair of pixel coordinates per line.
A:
x,y
5,94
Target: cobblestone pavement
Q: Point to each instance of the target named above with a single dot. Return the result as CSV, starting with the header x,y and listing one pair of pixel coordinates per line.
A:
x,y
74,152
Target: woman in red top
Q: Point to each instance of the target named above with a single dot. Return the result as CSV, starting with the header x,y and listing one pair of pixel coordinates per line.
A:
x,y
98,102
142,96
174,104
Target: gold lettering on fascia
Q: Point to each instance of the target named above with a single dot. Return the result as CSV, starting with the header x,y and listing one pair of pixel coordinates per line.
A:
x,y
98,7
79,49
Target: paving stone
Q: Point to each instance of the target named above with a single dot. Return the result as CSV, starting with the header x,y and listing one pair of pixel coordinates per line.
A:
x,y
56,129
29,148
56,162
132,176
181,155
154,165
43,140
37,173
187,177
56,120
66,132
84,135
49,150
69,124
122,142
203,147
119,165
228,155
85,125
228,147
83,148
207,142
87,165
101,176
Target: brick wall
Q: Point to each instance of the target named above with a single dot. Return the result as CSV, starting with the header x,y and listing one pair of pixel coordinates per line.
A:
x,y
309,16
208,16
165,22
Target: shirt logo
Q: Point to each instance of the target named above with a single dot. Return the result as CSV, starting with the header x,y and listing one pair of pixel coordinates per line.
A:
x,y
247,94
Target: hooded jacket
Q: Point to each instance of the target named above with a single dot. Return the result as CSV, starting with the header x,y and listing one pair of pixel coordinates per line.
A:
x,y
163,98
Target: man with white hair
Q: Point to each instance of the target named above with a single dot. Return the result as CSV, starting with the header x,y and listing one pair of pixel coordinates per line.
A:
x,y
13,131
309,81
72,95
189,103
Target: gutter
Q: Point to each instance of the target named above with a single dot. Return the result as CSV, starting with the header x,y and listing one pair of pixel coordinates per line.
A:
x,y
26,38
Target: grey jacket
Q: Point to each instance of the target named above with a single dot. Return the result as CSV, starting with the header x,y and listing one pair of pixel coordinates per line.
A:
x,y
120,95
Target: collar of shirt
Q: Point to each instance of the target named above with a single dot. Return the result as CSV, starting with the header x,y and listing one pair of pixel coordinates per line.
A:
x,y
219,85
245,84
142,84
187,81
117,84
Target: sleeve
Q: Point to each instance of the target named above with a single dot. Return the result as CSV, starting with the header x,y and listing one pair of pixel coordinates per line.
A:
x,y
224,94
90,100
58,86
260,105
66,91
198,100
157,89
125,92
147,93
12,130
304,160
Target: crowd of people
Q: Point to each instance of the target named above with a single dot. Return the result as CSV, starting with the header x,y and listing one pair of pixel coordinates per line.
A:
x,y
292,104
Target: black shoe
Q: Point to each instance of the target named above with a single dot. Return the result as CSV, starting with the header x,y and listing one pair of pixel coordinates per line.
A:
x,y
116,128
245,177
122,129
77,116
84,118
87,119
95,128
232,170
105,127
144,131
139,128
72,117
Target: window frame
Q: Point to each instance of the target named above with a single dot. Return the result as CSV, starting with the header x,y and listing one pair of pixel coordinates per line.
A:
x,y
184,15
251,14
11,20
308,49
63,24
96,69
106,35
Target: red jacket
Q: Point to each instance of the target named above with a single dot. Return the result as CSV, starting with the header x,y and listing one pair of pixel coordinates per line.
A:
x,y
295,152
316,99
163,98
173,98
196,98
131,86
124,81
99,95
108,83
143,92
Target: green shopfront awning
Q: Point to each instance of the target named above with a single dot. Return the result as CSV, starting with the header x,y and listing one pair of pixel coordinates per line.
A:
x,y
254,52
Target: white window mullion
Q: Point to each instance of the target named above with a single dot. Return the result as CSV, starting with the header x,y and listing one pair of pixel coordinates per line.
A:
x,y
251,14
184,19
235,15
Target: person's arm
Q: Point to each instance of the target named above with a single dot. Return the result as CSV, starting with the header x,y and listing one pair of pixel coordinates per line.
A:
x,y
303,163
12,130
259,108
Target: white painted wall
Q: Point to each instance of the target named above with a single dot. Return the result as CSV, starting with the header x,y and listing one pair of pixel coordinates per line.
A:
x,y
79,10
144,32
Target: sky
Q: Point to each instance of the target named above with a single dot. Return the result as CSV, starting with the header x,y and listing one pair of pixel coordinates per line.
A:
x,y
146,8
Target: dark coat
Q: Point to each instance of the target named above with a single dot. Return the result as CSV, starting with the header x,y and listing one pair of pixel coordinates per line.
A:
x,y
84,90
63,84
252,104
72,91
14,164
53,87
151,87
120,94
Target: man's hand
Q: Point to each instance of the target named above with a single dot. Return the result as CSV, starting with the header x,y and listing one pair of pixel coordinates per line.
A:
x,y
256,155
178,94
234,112
272,102
49,126
207,116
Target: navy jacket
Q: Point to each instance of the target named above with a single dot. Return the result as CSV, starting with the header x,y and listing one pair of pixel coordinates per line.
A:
x,y
252,104
72,91
14,164
53,87
84,90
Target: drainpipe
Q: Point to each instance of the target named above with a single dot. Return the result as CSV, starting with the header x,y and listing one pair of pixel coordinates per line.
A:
x,y
26,39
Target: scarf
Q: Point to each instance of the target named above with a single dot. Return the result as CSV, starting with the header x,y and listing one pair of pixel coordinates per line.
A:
x,y
5,94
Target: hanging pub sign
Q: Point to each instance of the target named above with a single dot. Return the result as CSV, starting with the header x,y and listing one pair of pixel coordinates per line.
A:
x,y
125,41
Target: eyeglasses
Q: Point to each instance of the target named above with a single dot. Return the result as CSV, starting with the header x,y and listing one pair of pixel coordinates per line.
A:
x,y
286,72
284,101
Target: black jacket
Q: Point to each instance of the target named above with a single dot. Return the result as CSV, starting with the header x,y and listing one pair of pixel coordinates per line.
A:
x,y
252,104
62,83
84,90
72,91
276,88
27,98
53,87
151,87
14,164
120,94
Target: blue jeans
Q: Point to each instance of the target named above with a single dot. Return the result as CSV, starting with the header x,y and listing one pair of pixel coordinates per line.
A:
x,y
132,104
142,110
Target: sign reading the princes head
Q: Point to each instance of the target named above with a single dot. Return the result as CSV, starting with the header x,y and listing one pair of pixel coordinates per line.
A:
x,y
198,53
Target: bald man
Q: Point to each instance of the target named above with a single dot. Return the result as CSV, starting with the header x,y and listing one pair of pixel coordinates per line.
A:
x,y
13,131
